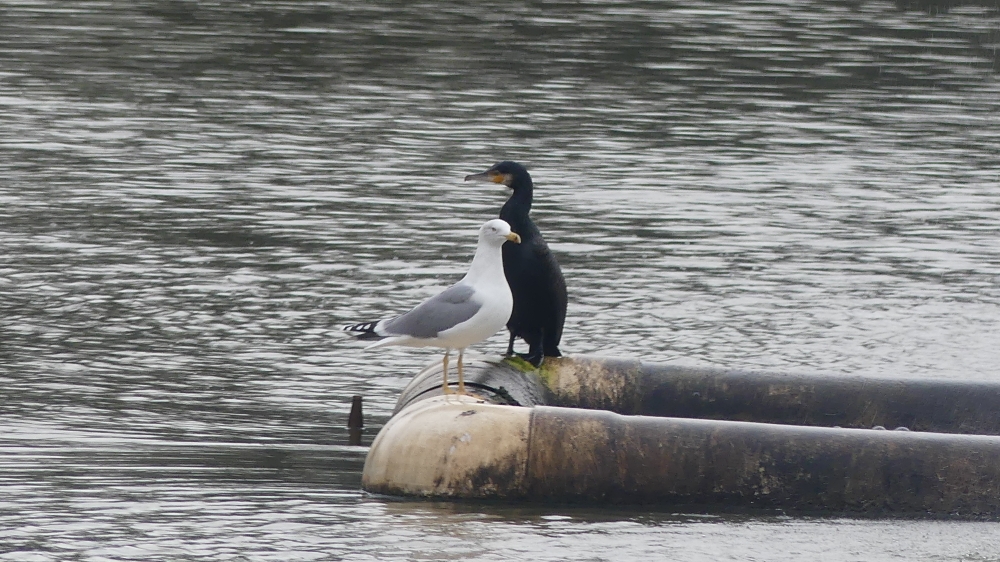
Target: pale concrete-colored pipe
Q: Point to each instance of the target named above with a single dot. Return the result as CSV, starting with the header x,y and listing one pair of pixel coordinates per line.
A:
x,y
461,448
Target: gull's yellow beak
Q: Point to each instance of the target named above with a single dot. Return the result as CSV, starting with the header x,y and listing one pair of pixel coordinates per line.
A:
x,y
513,237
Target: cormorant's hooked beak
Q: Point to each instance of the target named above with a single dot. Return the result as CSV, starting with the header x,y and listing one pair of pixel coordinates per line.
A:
x,y
513,236
490,176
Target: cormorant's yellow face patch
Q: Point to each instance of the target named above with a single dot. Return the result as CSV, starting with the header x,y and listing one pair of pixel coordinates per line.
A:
x,y
501,178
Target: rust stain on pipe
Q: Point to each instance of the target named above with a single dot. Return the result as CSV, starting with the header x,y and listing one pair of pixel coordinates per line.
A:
x,y
636,388
458,447
603,457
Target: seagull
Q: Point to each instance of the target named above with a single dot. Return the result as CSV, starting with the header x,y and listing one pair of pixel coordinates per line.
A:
x,y
464,314
532,271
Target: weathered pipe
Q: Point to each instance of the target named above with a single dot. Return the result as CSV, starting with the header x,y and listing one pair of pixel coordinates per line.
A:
x,y
496,381
638,388
451,447
460,447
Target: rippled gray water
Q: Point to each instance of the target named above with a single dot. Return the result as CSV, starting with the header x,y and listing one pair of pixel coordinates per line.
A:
x,y
195,196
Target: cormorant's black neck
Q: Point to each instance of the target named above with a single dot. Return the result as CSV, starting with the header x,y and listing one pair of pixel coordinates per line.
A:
x,y
516,208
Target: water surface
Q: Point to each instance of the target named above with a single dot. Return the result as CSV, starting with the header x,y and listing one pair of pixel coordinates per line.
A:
x,y
196,196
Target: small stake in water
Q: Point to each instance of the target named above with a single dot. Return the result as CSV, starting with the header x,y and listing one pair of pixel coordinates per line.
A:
x,y
355,422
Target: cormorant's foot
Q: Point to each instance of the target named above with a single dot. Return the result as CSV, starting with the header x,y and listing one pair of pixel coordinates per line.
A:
x,y
510,345
535,359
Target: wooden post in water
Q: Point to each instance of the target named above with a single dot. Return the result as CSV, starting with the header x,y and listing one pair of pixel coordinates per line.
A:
x,y
355,422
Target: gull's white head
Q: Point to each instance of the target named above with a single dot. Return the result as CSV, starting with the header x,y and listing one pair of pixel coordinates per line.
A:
x,y
497,231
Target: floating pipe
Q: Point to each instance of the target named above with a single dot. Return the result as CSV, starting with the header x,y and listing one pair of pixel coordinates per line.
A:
x,y
633,387
461,448
499,382
638,388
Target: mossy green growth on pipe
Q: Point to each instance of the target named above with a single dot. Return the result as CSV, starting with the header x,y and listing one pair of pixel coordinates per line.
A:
x,y
544,373
519,364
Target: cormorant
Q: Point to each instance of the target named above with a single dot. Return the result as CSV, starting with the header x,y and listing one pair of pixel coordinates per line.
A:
x,y
464,314
532,271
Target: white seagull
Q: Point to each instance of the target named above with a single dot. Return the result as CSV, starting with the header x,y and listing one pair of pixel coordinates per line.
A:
x,y
464,314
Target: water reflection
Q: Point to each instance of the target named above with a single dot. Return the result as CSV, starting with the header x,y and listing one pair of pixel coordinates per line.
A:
x,y
196,196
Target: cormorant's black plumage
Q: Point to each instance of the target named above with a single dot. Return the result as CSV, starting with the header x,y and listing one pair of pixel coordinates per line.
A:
x,y
532,272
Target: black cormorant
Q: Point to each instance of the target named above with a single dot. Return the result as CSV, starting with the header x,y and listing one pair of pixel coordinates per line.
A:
x,y
532,271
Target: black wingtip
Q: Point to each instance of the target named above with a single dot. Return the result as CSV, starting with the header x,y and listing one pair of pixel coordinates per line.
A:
x,y
364,330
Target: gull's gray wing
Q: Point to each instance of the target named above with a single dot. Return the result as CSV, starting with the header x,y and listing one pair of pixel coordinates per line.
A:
x,y
448,308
